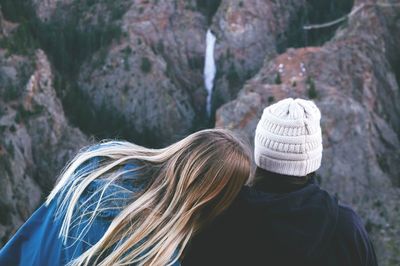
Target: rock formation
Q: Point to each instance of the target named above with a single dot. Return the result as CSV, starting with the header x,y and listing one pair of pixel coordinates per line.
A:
x,y
147,69
35,138
247,34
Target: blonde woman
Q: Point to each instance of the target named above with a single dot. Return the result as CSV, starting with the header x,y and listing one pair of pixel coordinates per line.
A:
x,y
117,203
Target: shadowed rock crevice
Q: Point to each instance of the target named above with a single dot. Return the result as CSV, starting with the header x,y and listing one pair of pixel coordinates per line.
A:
x,y
208,8
391,165
15,11
314,12
395,63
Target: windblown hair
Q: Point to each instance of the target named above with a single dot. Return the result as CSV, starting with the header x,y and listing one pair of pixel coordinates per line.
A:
x,y
189,183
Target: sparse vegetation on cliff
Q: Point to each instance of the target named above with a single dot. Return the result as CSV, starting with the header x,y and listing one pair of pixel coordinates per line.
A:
x,y
311,89
145,65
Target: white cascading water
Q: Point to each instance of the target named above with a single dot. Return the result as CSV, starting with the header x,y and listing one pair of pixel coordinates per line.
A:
x,y
209,68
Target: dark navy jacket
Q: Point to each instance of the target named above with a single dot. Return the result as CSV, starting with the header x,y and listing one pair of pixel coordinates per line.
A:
x,y
301,226
37,242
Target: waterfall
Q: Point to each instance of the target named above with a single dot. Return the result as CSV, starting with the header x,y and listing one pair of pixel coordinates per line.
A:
x,y
209,68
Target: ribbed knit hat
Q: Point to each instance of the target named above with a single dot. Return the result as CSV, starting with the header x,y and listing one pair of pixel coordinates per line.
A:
x,y
288,138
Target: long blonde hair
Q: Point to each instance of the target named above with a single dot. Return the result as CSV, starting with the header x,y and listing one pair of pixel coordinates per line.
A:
x,y
189,183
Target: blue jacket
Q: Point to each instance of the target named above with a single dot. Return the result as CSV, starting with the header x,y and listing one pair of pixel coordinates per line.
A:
x,y
37,242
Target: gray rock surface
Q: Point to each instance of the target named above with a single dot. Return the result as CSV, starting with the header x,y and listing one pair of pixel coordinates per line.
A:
x,y
45,9
146,75
35,138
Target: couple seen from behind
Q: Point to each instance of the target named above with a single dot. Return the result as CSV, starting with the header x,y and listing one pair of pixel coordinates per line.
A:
x,y
198,202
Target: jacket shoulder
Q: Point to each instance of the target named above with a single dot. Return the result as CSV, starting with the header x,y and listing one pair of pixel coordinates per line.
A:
x,y
38,233
353,242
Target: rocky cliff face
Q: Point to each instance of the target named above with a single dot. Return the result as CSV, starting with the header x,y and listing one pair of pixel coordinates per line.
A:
x,y
247,34
35,138
251,32
138,67
133,69
153,74
352,78
148,70
142,71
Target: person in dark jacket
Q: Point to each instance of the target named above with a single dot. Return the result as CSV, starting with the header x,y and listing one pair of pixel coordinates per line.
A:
x,y
121,204
285,218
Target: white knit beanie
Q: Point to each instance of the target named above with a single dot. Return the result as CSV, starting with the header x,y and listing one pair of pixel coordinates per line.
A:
x,y
288,138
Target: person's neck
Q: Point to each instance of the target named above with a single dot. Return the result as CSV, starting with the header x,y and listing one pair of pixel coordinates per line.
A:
x,y
276,183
